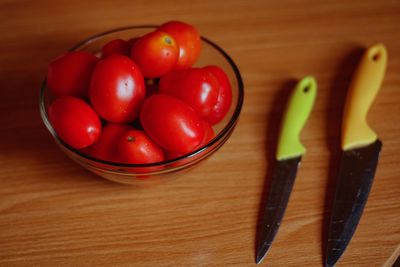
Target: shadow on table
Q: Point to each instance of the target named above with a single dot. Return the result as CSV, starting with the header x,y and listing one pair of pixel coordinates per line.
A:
x,y
336,98
27,148
273,125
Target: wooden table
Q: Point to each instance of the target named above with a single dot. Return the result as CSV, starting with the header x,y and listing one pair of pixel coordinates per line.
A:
x,y
54,212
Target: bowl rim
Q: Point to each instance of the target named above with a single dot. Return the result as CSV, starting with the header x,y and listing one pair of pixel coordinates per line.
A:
x,y
227,128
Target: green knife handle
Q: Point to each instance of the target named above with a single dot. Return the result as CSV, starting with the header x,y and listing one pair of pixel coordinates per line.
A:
x,y
296,113
364,86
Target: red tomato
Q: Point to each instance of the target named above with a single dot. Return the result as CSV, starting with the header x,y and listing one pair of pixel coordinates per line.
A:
x,y
75,121
224,97
117,46
171,123
151,87
172,155
117,89
106,147
135,147
156,53
69,74
208,133
197,87
189,42
208,136
131,42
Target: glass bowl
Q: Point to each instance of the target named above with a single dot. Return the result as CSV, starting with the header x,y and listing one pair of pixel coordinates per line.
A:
x,y
145,174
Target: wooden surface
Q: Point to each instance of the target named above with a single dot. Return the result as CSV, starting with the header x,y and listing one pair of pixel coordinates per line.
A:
x,y
54,212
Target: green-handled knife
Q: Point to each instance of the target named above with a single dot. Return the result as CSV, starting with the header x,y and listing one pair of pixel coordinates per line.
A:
x,y
288,157
360,152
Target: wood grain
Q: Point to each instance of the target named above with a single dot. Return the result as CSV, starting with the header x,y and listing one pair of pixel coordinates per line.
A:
x,y
54,212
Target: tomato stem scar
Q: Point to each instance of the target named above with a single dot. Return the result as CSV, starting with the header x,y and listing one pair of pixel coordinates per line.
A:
x,y
168,40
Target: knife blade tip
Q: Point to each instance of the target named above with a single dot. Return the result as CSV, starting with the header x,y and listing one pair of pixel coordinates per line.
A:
x,y
261,253
259,259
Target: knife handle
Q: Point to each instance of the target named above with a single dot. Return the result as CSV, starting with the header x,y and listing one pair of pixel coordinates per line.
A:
x,y
296,113
364,86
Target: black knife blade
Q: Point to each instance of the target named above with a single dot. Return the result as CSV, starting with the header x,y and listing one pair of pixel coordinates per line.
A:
x,y
281,187
357,171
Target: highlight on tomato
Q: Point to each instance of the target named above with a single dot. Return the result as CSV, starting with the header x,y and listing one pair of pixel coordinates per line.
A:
x,y
196,86
74,121
117,89
171,123
224,100
208,136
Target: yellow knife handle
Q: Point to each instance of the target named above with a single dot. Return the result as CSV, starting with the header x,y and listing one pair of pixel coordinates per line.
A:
x,y
296,113
364,86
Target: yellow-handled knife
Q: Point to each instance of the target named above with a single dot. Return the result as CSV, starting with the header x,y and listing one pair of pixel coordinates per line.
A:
x,y
360,152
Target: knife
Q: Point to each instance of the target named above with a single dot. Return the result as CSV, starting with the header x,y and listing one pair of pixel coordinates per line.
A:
x,y
288,158
360,152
